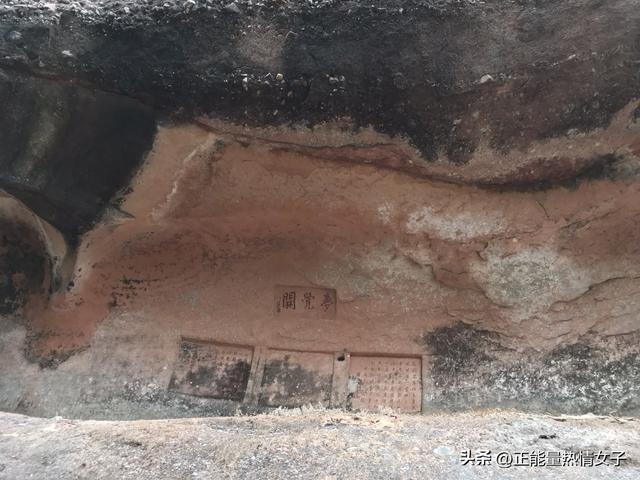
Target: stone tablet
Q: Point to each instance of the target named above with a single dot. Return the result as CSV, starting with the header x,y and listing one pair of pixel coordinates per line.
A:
x,y
294,379
392,382
212,370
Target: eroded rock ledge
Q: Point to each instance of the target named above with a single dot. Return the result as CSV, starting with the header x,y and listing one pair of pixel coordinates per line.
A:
x,y
462,175
507,94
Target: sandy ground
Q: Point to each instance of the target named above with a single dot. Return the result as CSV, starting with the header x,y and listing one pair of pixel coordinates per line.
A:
x,y
309,444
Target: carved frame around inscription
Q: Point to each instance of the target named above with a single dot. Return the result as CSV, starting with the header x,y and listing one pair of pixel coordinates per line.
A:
x,y
263,376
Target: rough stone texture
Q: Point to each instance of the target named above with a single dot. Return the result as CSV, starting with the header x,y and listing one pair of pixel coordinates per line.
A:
x,y
308,445
500,93
209,370
22,267
66,151
459,80
463,174
594,374
293,379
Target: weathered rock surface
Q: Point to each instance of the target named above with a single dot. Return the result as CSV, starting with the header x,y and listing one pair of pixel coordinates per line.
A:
x,y
464,175
311,445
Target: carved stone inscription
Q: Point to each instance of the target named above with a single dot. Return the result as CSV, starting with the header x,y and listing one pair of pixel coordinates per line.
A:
x,y
212,370
305,301
376,382
294,379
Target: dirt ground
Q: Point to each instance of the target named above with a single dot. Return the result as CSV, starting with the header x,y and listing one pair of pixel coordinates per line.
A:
x,y
312,443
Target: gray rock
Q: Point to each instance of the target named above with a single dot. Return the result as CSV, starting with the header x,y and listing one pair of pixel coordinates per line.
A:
x,y
13,36
233,8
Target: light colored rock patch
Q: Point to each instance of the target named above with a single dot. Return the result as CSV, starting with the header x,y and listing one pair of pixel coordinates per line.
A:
x,y
385,212
263,46
418,253
345,276
457,226
531,280
362,276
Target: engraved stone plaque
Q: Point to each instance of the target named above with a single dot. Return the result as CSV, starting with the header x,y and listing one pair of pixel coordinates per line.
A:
x,y
311,302
294,379
392,382
212,370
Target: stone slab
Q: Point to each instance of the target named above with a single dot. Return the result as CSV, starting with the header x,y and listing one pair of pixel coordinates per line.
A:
x,y
212,370
294,379
393,382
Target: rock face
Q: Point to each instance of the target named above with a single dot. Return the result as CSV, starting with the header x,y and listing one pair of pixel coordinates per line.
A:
x,y
67,150
299,188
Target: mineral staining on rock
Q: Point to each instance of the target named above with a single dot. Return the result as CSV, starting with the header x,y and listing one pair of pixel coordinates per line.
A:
x,y
460,176
461,226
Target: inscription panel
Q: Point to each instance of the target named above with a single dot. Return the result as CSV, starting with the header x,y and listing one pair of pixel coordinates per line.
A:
x,y
294,379
212,370
305,301
392,382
